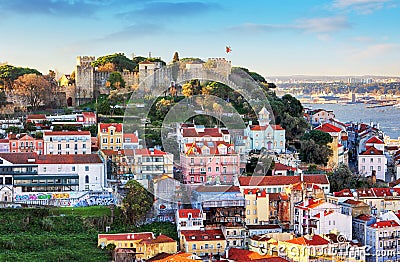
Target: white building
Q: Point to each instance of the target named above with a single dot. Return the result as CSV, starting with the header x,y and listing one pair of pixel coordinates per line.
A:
x,y
372,160
67,143
327,221
189,219
265,135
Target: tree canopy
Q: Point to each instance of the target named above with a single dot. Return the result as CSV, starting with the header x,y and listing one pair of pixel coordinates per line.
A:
x,y
34,90
9,73
115,81
137,203
119,60
256,76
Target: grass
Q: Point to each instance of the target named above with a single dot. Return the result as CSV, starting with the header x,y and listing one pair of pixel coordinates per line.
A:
x,y
93,211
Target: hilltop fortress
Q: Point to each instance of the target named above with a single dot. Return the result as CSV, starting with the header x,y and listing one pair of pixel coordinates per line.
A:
x,y
90,82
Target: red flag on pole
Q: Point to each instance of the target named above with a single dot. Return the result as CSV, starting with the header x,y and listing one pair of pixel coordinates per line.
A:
x,y
228,49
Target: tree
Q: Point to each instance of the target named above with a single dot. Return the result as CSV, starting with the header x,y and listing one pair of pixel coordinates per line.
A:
x,y
9,73
32,89
176,57
311,152
318,136
191,88
119,60
342,178
137,203
104,107
115,81
292,106
294,127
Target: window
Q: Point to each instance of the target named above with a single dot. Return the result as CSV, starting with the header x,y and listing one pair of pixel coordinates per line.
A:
x,y
371,160
194,247
192,160
84,146
87,179
104,140
363,160
59,146
209,169
379,168
255,212
371,168
73,168
86,168
248,212
111,140
118,140
67,145
111,132
254,202
44,169
217,169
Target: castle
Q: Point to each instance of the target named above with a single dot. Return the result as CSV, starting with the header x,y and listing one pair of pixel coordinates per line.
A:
x,y
90,82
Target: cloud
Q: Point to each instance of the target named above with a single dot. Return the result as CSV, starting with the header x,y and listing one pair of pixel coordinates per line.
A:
x,y
363,39
169,9
362,6
136,31
377,50
53,7
308,25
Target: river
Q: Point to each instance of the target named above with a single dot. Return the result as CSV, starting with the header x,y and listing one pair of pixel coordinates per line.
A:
x,y
387,117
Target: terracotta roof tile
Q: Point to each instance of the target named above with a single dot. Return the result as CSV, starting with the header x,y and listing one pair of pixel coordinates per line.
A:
x,y
374,140
384,224
314,240
184,213
372,151
127,236
203,235
328,128
281,180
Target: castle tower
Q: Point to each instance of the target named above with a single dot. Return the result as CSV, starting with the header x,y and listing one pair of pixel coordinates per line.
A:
x,y
220,65
263,117
84,79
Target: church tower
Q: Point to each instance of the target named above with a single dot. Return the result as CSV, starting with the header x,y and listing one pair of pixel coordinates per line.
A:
x,y
263,117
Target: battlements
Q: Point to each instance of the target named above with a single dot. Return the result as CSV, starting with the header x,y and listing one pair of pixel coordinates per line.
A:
x,y
85,61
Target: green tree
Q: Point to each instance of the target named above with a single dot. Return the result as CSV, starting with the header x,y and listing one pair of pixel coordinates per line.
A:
x,y
318,136
137,203
292,106
342,178
92,129
311,152
115,81
104,107
295,127
120,61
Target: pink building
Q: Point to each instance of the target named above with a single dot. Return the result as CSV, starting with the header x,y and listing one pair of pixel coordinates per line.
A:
x,y
210,162
25,143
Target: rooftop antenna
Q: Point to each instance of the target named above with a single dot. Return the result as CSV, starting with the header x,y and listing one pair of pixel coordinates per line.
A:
x,y
149,54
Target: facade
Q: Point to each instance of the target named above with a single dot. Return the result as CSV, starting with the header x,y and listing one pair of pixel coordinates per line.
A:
x,y
277,184
360,224
327,221
146,245
110,136
372,161
189,219
235,235
4,145
383,239
339,154
130,141
210,162
29,172
203,243
23,143
265,135
321,116
355,208
257,206
67,143
263,229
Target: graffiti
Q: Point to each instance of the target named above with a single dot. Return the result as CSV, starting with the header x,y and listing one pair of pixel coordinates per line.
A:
x,y
41,196
96,201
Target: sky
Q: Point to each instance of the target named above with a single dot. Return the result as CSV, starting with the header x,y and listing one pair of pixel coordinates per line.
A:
x,y
271,37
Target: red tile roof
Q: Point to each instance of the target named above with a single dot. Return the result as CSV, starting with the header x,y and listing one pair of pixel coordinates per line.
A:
x,y
258,128
277,127
374,140
36,116
326,213
203,235
328,128
89,114
148,152
279,167
203,188
127,236
69,159
314,240
184,213
67,133
19,158
312,203
159,239
4,141
372,151
384,224
214,149
242,255
118,127
343,193
191,132
256,191
133,137
364,217
354,202
281,180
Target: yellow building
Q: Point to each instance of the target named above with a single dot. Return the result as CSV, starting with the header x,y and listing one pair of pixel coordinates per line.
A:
x,y
268,243
110,136
144,244
203,243
257,206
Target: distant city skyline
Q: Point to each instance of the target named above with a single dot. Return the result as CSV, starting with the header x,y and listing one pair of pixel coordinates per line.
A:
x,y
273,38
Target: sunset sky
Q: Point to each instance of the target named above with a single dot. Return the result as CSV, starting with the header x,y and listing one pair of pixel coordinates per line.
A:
x,y
271,37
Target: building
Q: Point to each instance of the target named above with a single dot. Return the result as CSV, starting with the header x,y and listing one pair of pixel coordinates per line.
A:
x,y
145,245
315,216
190,133
372,161
236,254
189,219
67,143
355,208
383,237
321,116
23,143
277,184
203,243
235,235
209,162
265,135
130,141
221,204
4,145
339,154
360,224
262,229
29,172
257,206
110,136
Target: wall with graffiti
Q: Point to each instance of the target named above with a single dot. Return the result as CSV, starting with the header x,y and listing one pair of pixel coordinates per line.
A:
x,y
67,199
